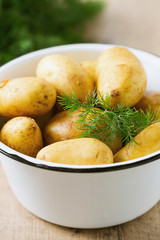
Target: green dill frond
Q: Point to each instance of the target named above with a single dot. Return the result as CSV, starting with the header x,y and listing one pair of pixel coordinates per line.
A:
x,y
68,102
91,99
103,102
98,120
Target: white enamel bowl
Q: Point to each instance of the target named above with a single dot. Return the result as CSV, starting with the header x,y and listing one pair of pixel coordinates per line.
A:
x,y
83,196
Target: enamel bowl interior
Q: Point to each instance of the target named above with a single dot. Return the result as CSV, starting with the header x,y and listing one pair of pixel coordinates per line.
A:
x,y
26,65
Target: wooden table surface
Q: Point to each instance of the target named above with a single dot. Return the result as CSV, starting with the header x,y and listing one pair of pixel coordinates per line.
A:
x,y
132,23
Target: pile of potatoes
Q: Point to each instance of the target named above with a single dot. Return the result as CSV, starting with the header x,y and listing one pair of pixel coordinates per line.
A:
x,y
38,127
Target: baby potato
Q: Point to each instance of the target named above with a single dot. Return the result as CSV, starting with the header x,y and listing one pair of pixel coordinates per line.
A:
x,y
67,75
90,67
120,75
150,99
81,151
23,135
28,96
148,141
63,126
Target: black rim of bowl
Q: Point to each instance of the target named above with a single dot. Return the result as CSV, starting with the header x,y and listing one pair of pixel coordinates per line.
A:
x,y
86,169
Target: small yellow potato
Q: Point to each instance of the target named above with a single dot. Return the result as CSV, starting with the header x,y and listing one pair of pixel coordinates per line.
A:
x,y
67,75
23,135
28,96
90,67
80,151
150,99
63,126
120,75
148,141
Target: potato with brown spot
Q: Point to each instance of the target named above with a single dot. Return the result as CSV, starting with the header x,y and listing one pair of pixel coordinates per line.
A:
x,y
81,151
66,75
23,135
120,75
150,99
27,96
64,126
148,141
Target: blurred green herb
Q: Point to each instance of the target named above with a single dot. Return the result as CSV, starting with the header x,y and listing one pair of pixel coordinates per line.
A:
x,y
27,25
98,120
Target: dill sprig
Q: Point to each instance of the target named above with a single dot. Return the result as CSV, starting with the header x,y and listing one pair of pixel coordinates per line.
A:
x,y
98,120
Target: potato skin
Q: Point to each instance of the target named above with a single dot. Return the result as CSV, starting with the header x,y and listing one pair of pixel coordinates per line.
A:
x,y
148,142
63,126
150,99
28,96
90,67
81,151
121,75
67,75
23,135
